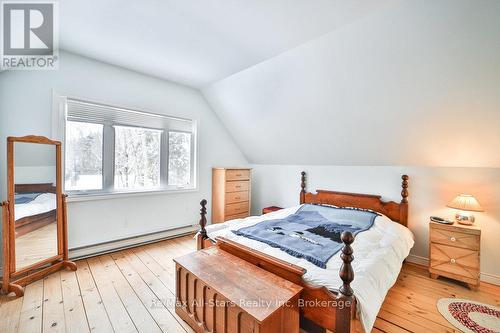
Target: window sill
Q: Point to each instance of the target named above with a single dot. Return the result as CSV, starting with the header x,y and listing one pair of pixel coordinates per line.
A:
x,y
117,195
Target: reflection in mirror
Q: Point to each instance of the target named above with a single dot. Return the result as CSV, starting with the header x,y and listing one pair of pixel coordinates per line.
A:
x,y
35,209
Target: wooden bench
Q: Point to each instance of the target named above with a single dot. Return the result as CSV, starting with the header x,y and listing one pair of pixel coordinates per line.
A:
x,y
234,297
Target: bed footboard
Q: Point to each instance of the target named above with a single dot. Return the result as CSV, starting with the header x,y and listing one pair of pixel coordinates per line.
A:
x,y
331,310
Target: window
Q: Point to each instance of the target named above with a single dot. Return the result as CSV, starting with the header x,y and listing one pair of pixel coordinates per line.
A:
x,y
83,156
179,158
137,157
115,150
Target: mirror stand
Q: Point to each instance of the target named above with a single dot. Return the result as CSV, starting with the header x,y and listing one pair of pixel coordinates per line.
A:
x,y
34,219
7,285
12,283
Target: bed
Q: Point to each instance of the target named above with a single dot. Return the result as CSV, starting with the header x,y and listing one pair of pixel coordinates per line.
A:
x,y
35,207
333,298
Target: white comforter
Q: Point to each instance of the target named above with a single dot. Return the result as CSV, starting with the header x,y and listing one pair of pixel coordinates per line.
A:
x,y
41,204
378,256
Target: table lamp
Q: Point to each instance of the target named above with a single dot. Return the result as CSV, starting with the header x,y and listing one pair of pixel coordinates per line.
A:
x,y
465,203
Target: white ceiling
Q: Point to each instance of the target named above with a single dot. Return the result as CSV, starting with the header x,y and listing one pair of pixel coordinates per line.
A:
x,y
199,42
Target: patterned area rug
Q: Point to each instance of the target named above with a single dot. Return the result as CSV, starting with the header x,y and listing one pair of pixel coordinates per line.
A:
x,y
470,316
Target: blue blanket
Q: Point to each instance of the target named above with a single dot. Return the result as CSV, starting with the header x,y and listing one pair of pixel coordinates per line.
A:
x,y
23,198
312,233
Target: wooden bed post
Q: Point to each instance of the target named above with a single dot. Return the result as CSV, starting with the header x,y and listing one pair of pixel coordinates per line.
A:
x,y
303,187
403,211
202,234
345,297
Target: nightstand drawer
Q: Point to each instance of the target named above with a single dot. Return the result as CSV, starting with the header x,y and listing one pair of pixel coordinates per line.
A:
x,y
237,175
233,197
237,208
458,261
455,239
237,186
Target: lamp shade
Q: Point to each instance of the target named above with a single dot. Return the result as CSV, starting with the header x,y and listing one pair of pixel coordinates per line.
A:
x,y
465,202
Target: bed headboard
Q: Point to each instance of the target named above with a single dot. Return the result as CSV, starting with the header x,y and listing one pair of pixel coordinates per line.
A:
x,y
398,212
35,188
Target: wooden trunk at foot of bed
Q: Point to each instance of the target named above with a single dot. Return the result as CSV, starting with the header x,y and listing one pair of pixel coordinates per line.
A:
x,y
320,306
202,300
197,306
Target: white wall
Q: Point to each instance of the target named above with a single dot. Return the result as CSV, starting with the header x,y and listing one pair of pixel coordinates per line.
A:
x,y
416,84
34,175
34,163
431,188
26,108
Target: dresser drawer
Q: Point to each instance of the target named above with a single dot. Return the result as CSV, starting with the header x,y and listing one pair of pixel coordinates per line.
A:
x,y
237,186
458,261
237,175
455,239
237,216
237,208
234,197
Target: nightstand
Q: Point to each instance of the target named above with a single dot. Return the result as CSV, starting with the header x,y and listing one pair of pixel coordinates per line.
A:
x,y
454,252
270,209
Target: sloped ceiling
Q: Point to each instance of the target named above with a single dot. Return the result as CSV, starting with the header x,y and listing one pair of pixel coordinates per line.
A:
x,y
415,84
199,42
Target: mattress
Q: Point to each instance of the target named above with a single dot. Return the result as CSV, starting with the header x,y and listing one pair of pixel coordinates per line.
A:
x,y
43,203
378,256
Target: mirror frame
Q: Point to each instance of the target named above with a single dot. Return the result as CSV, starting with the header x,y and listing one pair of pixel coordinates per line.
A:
x,y
14,279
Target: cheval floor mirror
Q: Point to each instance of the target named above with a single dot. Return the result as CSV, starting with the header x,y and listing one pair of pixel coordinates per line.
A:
x,y
34,228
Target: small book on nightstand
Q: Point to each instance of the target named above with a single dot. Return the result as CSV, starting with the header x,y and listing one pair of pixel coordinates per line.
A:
x,y
454,252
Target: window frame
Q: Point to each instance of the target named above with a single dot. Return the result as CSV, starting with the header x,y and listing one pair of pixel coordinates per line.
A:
x,y
108,191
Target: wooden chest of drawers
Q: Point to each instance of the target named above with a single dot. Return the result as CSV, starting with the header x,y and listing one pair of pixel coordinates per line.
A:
x,y
454,252
230,194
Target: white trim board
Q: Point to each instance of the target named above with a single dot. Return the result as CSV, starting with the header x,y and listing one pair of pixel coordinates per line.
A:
x,y
113,246
485,277
423,261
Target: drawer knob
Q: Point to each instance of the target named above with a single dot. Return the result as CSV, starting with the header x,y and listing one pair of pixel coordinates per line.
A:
x,y
238,186
453,261
237,198
238,175
453,239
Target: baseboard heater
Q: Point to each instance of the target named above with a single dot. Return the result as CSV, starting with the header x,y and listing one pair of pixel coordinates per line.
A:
x,y
125,243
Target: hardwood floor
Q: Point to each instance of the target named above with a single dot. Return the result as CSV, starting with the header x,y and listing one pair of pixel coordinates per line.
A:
x,y
133,291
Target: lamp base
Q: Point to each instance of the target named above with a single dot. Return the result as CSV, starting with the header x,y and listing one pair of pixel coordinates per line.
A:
x,y
465,219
